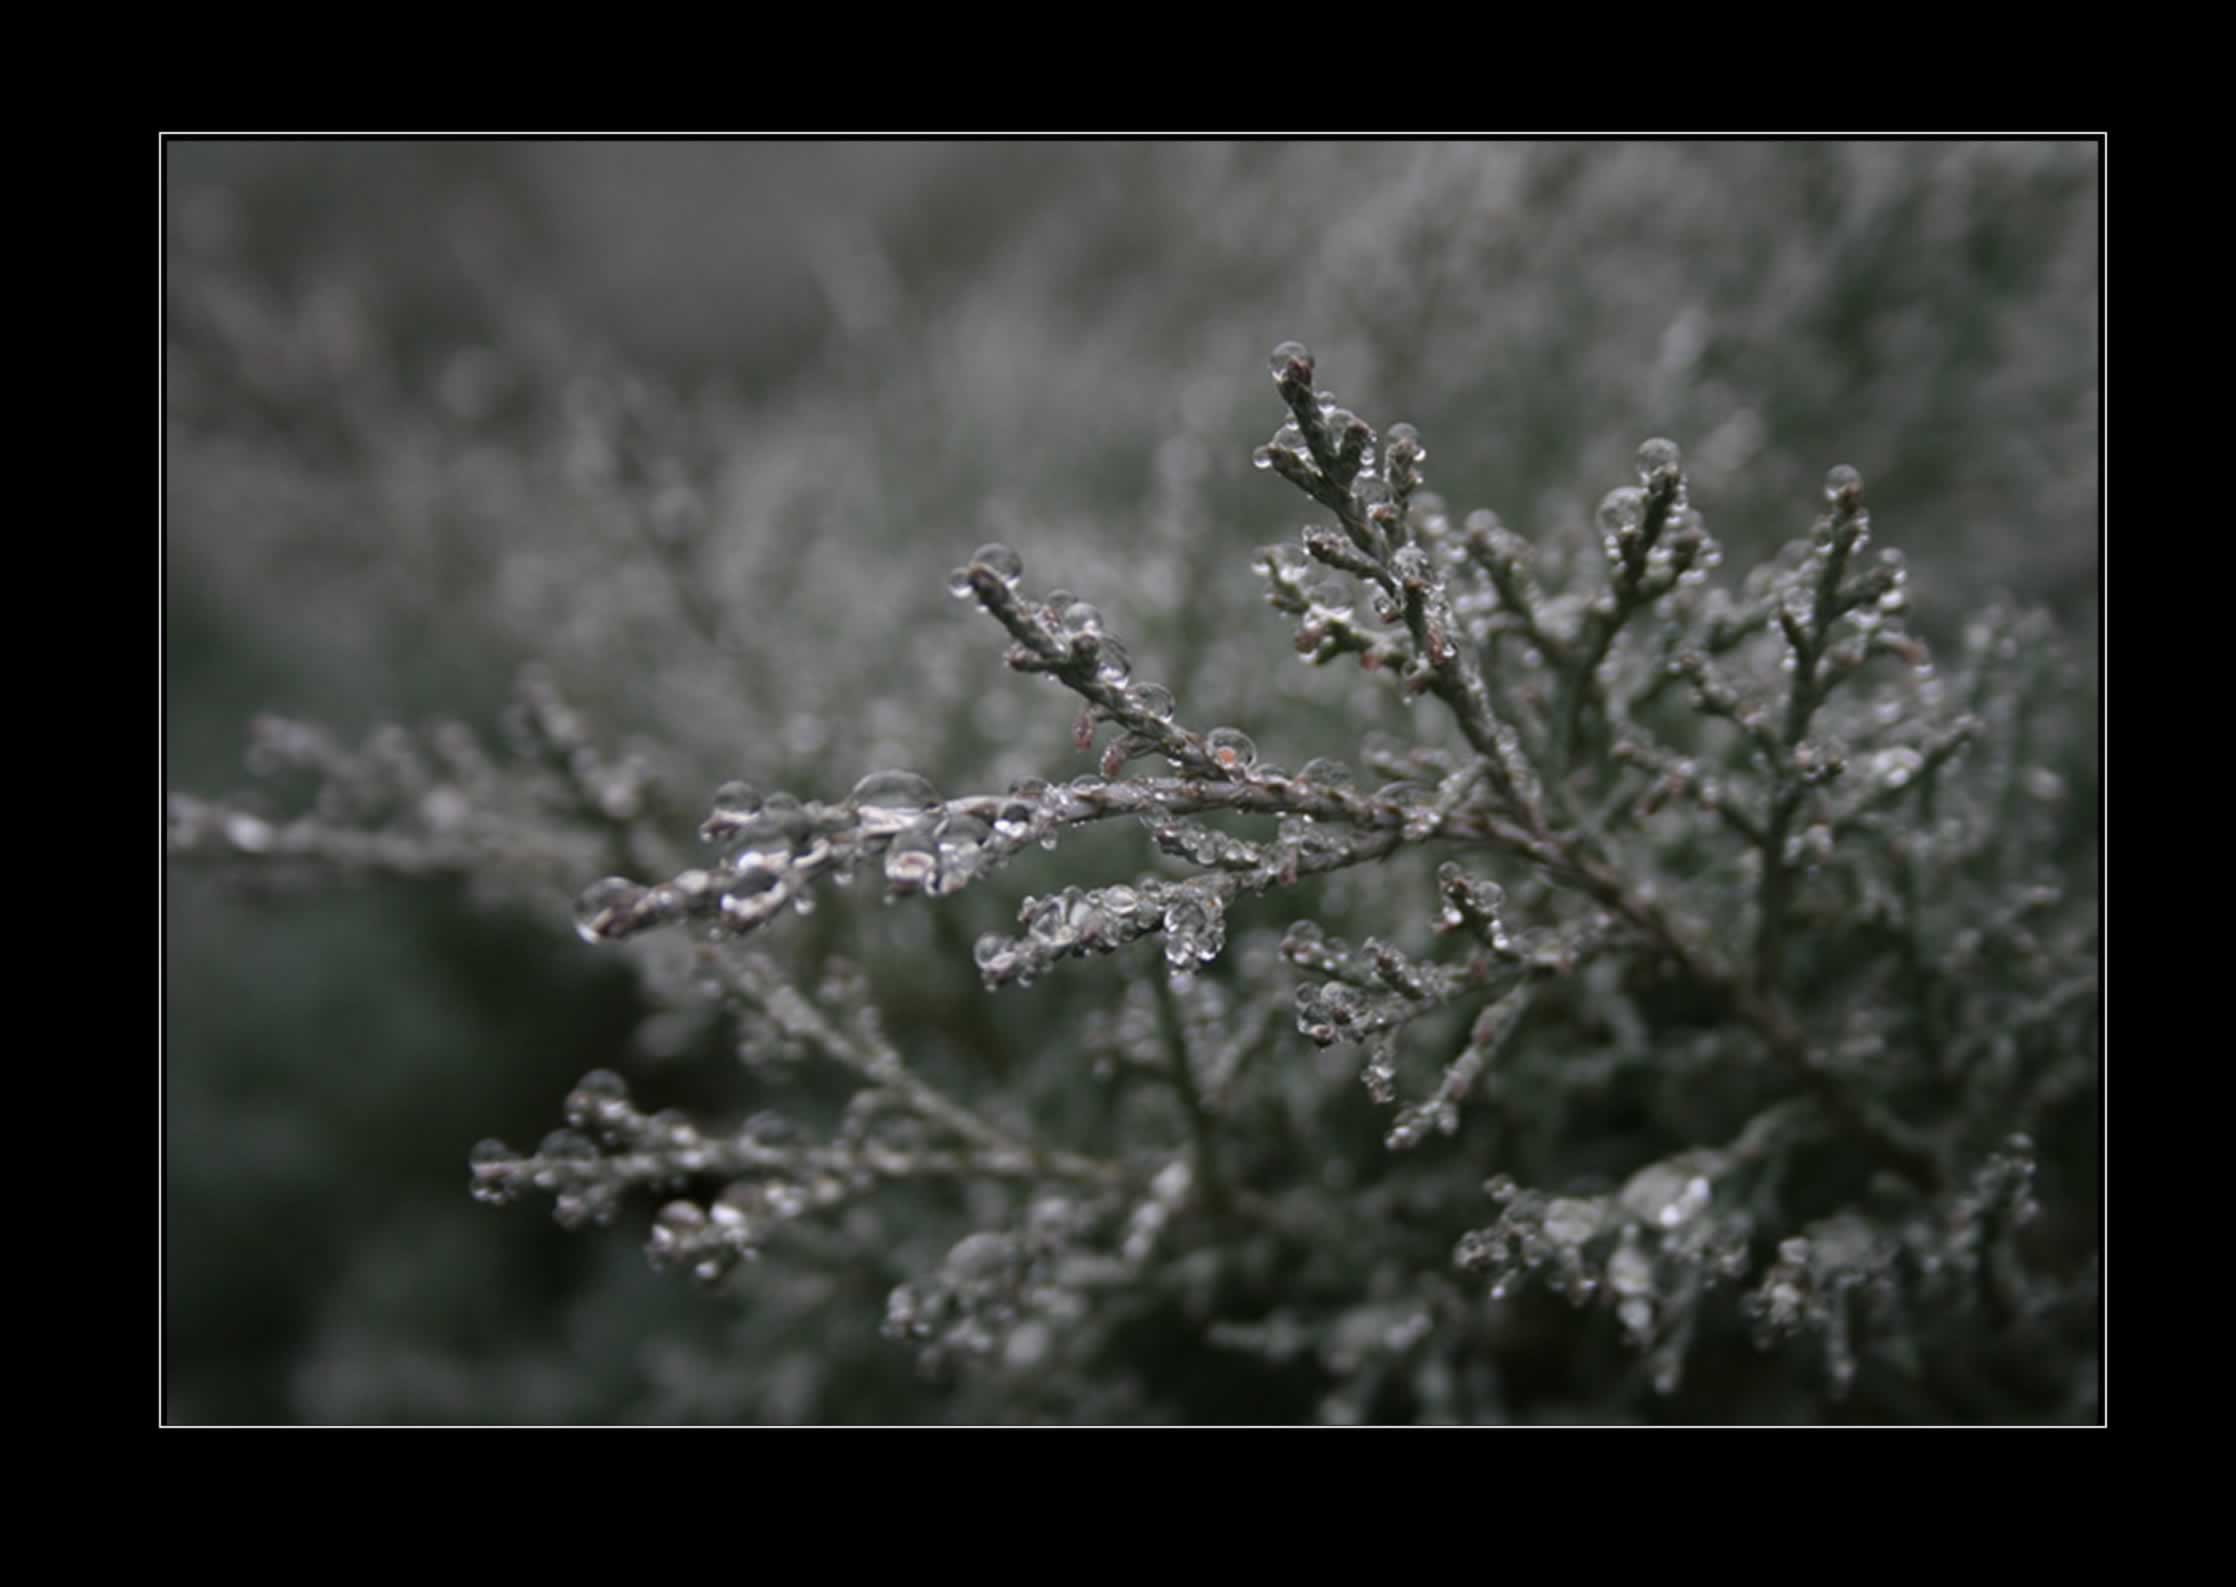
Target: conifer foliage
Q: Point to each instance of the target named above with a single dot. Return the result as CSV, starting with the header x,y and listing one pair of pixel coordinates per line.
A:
x,y
1725,1045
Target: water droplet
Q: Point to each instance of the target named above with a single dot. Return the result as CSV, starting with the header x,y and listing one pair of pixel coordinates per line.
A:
x,y
1002,562
960,833
492,1162
602,904
912,861
958,584
1194,931
1292,365
736,804
1121,900
567,1146
1112,664
598,1097
1658,457
1081,618
1153,700
736,799
889,801
1621,510
1049,920
1666,1194
1842,481
1230,749
957,840
1015,818
1084,916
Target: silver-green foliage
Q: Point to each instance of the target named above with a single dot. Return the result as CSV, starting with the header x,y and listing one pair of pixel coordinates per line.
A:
x,y
1730,962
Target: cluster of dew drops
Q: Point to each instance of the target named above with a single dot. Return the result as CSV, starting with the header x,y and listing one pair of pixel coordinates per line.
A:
x,y
926,846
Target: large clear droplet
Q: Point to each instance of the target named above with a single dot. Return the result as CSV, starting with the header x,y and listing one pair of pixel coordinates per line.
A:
x,y
1112,664
960,833
1292,364
567,1146
1015,818
891,801
1049,921
1004,563
1656,458
1195,930
737,798
958,839
1184,921
1230,749
1152,700
735,806
913,860
597,1097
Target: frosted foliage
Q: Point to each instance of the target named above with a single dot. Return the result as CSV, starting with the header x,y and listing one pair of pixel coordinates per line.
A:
x,y
1628,1008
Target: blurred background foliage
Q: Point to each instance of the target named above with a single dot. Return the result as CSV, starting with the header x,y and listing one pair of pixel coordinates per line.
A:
x,y
701,428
